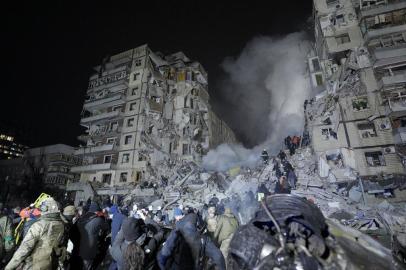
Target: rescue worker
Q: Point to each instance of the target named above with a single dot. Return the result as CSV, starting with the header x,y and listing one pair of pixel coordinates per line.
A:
x,y
42,247
265,156
282,155
227,224
6,235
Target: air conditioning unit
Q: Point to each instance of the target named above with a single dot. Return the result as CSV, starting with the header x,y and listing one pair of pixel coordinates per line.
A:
x,y
389,150
385,125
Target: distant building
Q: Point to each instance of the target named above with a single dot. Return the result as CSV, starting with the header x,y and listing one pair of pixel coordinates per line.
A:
x,y
40,169
9,147
143,109
358,121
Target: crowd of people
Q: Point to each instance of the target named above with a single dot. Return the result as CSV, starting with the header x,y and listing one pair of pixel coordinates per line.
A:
x,y
100,235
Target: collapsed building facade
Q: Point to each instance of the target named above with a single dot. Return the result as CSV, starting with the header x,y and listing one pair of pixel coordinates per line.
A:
x,y
357,121
144,111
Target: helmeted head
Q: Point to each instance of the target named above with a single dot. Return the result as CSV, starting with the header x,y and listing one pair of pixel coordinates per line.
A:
x,y
49,206
69,212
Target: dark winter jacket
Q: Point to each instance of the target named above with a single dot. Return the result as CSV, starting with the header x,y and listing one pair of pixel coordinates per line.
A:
x,y
149,242
92,231
116,222
187,236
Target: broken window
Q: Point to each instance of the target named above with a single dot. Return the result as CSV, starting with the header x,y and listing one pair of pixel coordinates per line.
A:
x,y
113,126
128,139
107,158
138,176
185,149
360,103
111,140
375,159
123,177
319,79
339,19
156,99
134,91
106,178
130,122
125,158
117,108
135,76
367,130
191,103
316,64
185,102
137,62
141,157
328,133
342,39
133,106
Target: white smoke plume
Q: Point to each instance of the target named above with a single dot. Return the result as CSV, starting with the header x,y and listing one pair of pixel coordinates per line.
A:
x,y
265,88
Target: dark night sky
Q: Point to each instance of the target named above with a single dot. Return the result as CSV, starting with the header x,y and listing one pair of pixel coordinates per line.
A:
x,y
50,49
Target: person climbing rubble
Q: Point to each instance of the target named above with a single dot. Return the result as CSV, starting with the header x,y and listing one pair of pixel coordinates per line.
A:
x,y
265,157
282,155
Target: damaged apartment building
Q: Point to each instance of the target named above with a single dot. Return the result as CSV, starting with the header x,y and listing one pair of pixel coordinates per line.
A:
x,y
357,122
143,112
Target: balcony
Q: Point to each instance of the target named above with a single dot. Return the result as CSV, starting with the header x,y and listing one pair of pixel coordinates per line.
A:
x,y
106,101
100,116
102,132
384,31
94,149
398,78
93,167
399,135
385,7
396,107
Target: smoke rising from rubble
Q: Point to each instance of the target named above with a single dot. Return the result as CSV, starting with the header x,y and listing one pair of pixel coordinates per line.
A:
x,y
265,88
